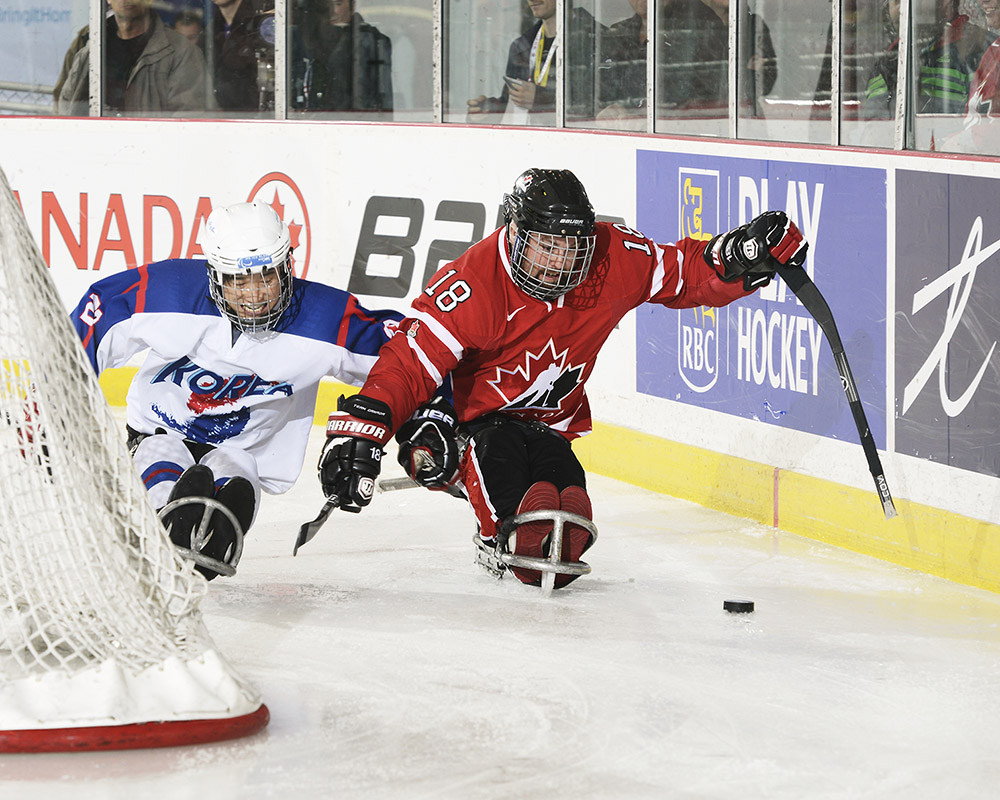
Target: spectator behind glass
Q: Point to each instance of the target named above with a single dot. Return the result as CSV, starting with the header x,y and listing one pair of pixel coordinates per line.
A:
x,y
758,69
980,132
949,55
622,76
148,67
991,9
341,62
243,47
530,77
984,92
693,50
188,24
693,56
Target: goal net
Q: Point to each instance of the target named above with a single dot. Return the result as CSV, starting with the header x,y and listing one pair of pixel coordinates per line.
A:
x,y
102,644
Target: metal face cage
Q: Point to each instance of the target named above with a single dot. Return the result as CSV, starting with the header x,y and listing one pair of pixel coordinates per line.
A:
x,y
546,266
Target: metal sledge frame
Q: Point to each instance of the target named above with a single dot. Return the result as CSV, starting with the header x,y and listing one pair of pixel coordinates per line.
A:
x,y
200,535
550,565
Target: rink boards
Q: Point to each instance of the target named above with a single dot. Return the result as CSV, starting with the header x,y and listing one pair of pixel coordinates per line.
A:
x,y
738,408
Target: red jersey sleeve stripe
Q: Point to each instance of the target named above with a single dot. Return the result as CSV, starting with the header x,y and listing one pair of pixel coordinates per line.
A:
x,y
140,293
441,333
660,271
432,371
345,322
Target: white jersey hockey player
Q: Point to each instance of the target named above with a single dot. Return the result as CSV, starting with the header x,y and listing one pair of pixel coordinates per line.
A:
x,y
222,405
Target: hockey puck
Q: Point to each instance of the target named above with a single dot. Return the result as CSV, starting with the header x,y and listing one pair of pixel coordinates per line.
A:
x,y
738,606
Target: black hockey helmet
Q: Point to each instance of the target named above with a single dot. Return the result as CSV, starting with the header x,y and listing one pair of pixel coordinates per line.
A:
x,y
553,244
550,201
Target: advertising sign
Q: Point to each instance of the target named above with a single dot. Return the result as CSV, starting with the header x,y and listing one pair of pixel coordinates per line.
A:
x,y
35,36
87,233
764,357
947,323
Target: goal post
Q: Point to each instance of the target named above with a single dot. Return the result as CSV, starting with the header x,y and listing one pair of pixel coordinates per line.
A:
x,y
102,643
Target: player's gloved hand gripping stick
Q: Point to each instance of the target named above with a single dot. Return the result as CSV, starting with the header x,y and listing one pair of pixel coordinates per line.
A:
x,y
772,243
351,459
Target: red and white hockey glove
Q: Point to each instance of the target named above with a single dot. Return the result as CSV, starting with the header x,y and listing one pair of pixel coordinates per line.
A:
x,y
428,449
749,252
352,455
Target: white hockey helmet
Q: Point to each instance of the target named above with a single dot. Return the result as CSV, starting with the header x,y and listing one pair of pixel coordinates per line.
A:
x,y
249,250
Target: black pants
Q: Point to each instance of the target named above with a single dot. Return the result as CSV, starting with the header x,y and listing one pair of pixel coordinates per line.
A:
x,y
505,456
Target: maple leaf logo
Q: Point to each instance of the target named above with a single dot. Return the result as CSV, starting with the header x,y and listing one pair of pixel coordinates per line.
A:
x,y
294,229
543,382
281,193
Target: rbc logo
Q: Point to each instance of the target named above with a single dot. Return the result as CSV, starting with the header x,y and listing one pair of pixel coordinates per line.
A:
x,y
698,347
699,203
698,328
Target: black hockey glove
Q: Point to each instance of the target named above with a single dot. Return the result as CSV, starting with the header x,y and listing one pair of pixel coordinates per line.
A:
x,y
428,450
352,455
748,252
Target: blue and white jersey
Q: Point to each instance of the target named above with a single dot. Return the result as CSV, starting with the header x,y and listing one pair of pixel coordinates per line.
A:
x,y
254,392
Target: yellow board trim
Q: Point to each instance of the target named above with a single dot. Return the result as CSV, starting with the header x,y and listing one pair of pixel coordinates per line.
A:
x,y
115,383
924,538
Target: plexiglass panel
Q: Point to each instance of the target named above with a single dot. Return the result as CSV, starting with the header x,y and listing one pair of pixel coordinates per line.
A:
x,y
32,55
796,108
361,60
621,75
954,91
869,53
591,58
239,45
357,59
488,46
756,66
175,59
692,61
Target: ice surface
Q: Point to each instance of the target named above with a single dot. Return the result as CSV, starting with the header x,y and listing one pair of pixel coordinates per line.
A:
x,y
395,668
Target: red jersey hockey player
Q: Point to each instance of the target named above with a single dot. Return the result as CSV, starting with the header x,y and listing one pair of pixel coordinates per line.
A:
x,y
518,321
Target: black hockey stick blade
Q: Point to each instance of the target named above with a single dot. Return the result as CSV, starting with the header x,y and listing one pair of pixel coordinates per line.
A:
x,y
309,529
798,280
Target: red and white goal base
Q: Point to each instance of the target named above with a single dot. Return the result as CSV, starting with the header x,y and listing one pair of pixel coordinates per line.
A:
x,y
105,707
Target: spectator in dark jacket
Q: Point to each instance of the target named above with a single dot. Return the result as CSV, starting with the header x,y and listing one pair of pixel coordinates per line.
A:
x,y
243,55
341,63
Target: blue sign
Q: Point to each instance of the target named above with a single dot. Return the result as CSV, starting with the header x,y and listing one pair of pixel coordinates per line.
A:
x,y
764,357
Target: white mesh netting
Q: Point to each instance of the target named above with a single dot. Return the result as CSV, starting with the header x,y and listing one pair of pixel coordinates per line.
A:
x,y
99,619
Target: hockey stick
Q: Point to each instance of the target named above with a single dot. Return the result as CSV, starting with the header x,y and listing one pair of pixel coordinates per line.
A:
x,y
406,482
801,284
392,484
309,529
423,462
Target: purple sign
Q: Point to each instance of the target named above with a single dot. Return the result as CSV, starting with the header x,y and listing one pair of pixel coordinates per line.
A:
x,y
764,357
